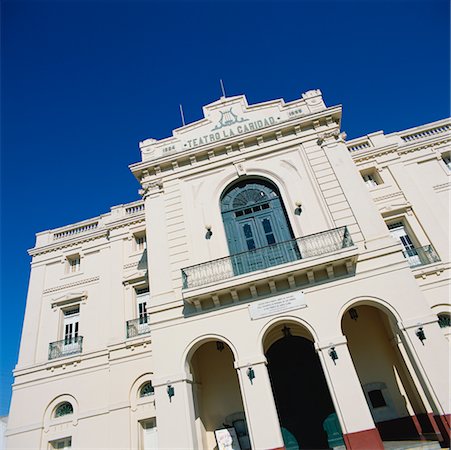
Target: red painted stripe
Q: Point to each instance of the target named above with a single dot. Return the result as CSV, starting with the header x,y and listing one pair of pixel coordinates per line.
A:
x,y
364,440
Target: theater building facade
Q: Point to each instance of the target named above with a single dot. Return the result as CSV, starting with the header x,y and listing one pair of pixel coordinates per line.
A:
x,y
276,286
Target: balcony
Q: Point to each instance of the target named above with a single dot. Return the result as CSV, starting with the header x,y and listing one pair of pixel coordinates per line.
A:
x,y
421,256
265,257
139,326
66,347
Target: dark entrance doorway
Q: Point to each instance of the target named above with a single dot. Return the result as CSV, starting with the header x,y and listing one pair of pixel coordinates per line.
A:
x,y
301,392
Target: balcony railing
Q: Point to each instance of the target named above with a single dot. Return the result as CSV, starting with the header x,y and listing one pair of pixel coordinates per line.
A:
x,y
421,256
66,347
264,257
138,326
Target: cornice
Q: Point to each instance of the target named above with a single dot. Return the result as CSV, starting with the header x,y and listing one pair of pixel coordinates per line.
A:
x,y
396,148
71,285
372,153
415,147
292,123
90,236
60,244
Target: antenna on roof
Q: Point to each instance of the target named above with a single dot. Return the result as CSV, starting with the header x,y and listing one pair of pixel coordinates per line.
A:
x,y
181,113
222,87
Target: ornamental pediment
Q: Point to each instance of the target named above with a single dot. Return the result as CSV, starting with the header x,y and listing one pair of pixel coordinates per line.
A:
x,y
231,117
69,298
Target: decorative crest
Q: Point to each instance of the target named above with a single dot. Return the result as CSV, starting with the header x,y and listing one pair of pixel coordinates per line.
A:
x,y
228,118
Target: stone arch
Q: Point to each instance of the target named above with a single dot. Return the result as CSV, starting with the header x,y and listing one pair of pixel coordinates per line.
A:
x,y
196,343
135,388
387,370
49,418
369,300
302,393
270,327
210,364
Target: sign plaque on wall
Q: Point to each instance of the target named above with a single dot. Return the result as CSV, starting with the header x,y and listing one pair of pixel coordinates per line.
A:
x,y
276,305
227,439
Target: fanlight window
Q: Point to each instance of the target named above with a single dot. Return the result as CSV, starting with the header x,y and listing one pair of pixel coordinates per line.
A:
x,y
146,389
64,409
254,217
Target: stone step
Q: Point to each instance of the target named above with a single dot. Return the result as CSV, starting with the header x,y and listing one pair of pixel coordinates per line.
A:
x,y
411,445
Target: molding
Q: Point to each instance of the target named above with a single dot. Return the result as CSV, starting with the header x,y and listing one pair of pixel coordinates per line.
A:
x,y
69,285
71,297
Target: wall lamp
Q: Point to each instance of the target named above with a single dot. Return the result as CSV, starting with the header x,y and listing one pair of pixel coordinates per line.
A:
x,y
286,331
209,233
219,346
420,334
250,374
333,354
170,391
353,314
298,209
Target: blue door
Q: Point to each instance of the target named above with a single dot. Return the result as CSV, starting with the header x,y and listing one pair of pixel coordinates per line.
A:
x,y
257,229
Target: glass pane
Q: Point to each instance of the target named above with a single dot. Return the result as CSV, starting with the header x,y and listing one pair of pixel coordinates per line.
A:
x,y
247,231
270,238
267,226
376,398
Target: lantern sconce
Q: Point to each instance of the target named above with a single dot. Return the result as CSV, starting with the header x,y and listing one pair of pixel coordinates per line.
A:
x,y
286,331
420,334
353,314
250,374
209,233
333,354
219,346
170,391
298,209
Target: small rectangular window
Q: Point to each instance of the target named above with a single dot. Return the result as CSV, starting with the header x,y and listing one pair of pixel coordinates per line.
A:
x,y
371,178
446,158
140,242
376,398
63,444
73,263
149,435
142,299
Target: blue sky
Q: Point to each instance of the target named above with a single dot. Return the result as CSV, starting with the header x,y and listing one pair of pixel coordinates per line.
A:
x,y
82,82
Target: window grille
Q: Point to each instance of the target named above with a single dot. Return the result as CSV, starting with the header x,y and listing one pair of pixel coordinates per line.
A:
x,y
64,409
146,390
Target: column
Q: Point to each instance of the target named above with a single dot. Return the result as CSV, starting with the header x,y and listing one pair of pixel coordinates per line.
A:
x,y
157,245
359,431
259,405
366,214
175,412
429,350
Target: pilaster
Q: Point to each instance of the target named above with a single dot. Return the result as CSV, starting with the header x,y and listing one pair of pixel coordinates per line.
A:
x,y
261,414
359,431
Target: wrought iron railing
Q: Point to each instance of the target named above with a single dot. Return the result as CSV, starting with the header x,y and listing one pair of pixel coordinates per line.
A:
x,y
66,347
421,256
138,326
264,257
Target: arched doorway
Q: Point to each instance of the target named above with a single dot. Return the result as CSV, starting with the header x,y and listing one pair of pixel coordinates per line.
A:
x,y
393,398
217,396
256,225
304,405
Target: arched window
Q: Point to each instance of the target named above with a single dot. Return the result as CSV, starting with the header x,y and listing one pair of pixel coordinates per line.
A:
x,y
256,224
146,389
63,409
